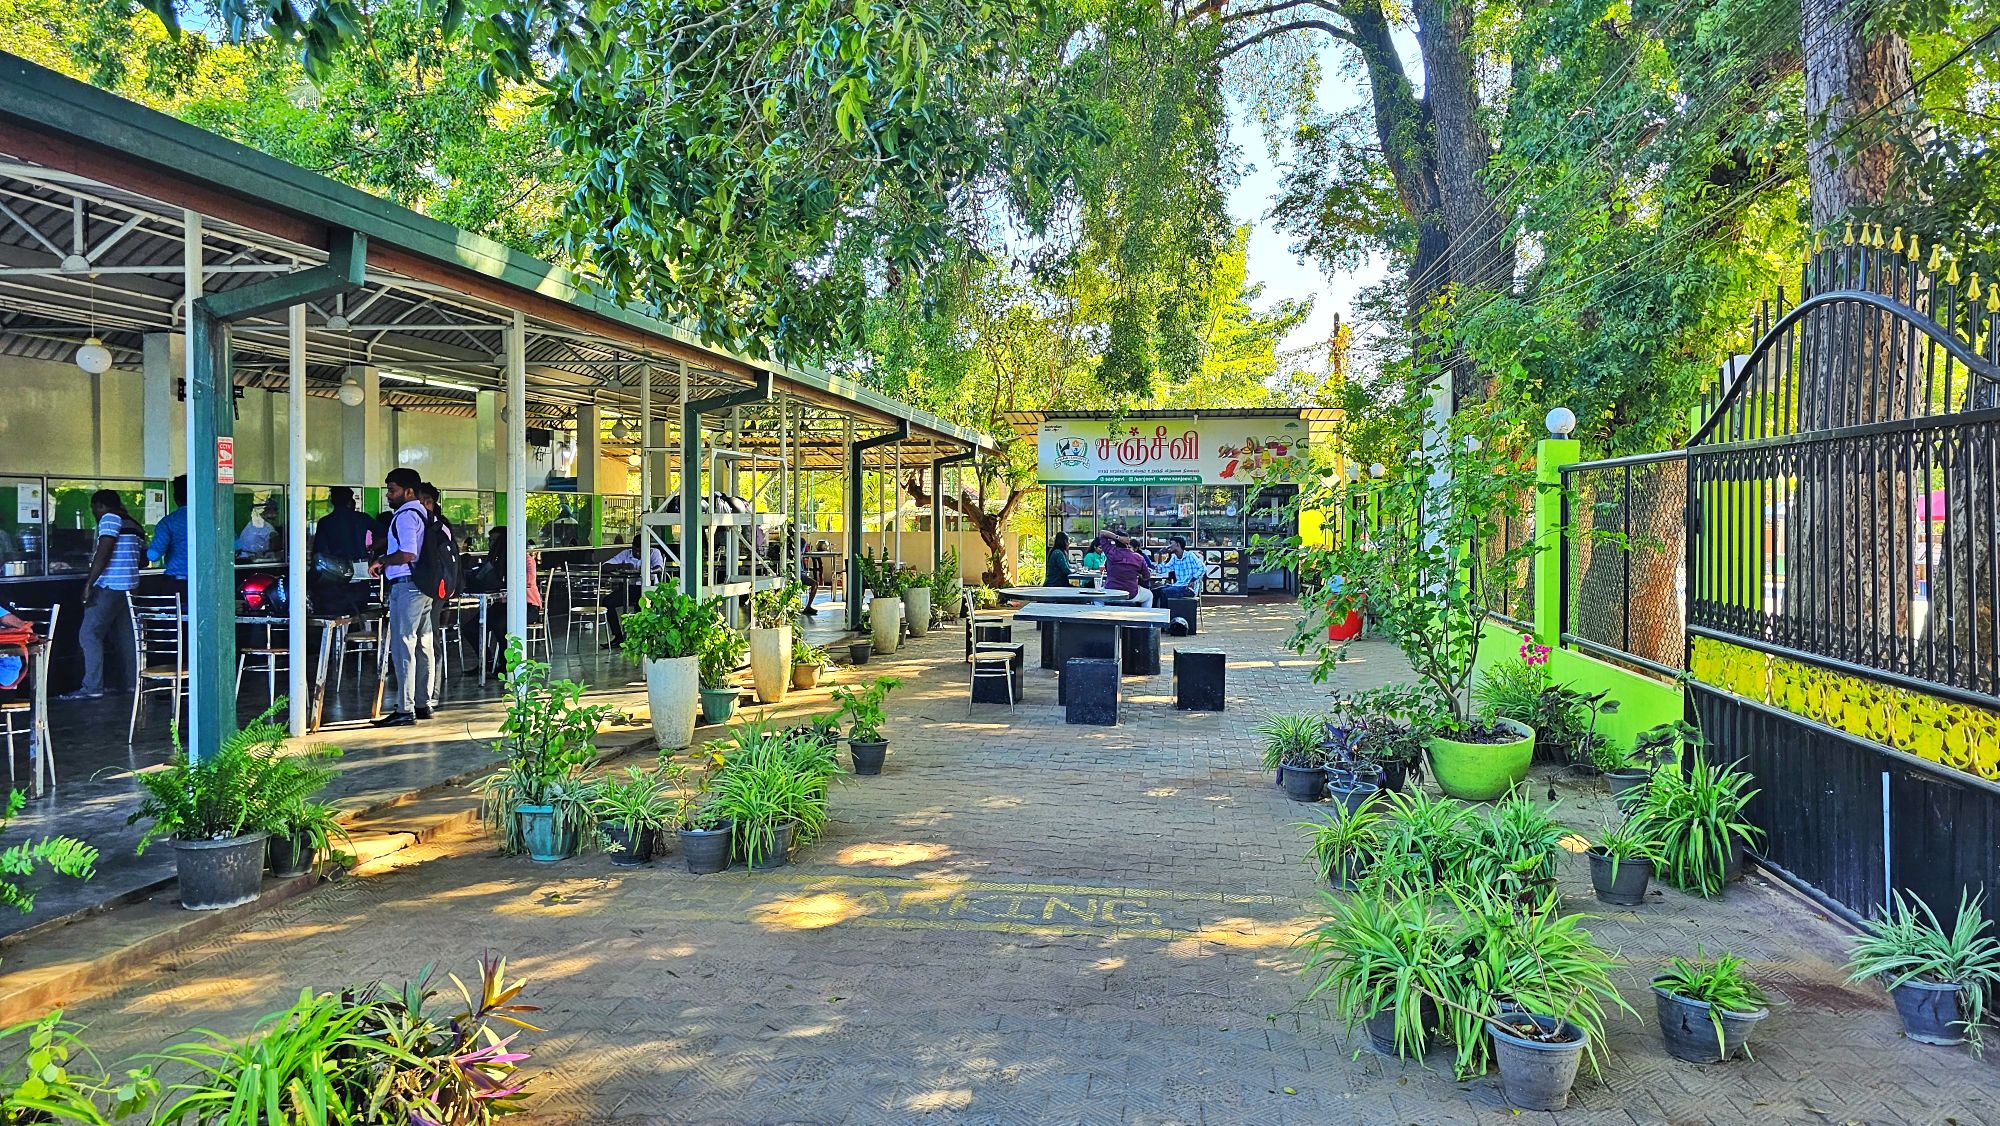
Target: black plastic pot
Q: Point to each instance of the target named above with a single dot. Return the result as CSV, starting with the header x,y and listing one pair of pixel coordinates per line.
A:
x,y
1395,774
1366,772
1628,888
1382,1027
1930,1011
1623,782
858,652
1690,1032
774,850
1303,784
867,756
1346,871
705,850
629,850
1537,1074
291,856
218,874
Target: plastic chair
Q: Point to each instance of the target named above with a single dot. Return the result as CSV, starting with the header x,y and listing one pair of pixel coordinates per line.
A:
x,y
159,641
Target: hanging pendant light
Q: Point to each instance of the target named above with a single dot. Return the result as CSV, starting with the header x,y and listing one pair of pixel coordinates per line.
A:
x,y
93,357
351,392
620,431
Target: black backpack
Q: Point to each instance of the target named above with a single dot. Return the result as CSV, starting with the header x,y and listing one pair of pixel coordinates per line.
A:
x,y
437,571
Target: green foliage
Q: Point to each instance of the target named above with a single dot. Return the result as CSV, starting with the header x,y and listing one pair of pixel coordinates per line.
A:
x,y
1910,944
721,655
1349,835
1383,724
1719,982
1695,812
764,789
319,823
1532,956
805,652
946,586
548,739
1375,950
1630,840
65,856
1293,739
640,799
247,784
782,606
670,623
863,710
56,1078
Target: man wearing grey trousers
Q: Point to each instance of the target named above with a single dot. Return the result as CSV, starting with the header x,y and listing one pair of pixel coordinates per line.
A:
x,y
411,631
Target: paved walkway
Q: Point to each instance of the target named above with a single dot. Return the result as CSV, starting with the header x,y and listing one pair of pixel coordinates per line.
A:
x,y
1025,922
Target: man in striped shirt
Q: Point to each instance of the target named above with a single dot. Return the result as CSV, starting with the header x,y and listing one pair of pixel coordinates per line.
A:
x,y
107,592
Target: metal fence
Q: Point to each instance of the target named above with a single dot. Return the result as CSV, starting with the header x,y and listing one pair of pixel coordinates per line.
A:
x,y
1510,589
1624,573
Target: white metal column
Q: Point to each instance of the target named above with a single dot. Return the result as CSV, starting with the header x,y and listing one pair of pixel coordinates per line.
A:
x,y
516,459
295,529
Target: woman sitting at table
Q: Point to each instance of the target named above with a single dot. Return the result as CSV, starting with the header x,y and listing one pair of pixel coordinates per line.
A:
x,y
1124,568
1056,568
496,620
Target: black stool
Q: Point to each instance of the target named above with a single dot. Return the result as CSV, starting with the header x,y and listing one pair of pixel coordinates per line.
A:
x,y
1140,649
1090,691
1198,679
993,690
1184,610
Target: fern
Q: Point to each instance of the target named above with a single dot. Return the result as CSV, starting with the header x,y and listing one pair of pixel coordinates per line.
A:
x,y
247,784
65,856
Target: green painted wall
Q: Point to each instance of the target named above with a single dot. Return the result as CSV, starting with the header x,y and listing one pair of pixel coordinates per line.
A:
x,y
1643,701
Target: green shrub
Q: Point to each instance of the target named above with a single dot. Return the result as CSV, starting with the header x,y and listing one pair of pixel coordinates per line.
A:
x,y
246,785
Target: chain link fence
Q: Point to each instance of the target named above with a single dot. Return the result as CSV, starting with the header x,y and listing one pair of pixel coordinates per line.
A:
x,y
1623,564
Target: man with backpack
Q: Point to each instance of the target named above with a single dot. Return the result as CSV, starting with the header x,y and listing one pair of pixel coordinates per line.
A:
x,y
411,635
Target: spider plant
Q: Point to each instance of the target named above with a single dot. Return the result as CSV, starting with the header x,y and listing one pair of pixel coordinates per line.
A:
x,y
55,1077
638,801
1383,949
1629,841
1425,841
1696,815
1911,944
1720,983
1517,845
1348,838
1533,957
760,793
1293,740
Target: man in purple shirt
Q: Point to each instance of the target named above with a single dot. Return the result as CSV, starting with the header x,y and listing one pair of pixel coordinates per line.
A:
x,y
1124,568
410,630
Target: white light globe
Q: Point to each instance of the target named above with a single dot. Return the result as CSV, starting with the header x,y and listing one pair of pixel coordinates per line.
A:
x,y
1378,470
94,357
351,392
1560,422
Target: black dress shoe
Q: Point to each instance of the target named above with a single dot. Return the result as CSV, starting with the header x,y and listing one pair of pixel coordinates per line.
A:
x,y
395,719
423,713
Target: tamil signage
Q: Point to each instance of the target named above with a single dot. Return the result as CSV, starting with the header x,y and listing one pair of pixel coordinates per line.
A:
x,y
1195,450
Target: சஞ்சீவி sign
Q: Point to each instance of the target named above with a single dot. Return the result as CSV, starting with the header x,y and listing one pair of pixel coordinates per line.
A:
x,y
1204,450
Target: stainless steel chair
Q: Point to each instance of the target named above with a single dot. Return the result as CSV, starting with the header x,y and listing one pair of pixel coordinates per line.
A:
x,y
159,645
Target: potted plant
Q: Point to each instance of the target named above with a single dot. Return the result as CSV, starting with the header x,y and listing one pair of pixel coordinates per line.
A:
x,y
1938,978
1381,957
1626,772
1345,842
1428,569
721,655
1293,744
859,649
1515,846
774,623
1707,1009
1621,864
539,799
1694,810
865,716
947,588
808,661
762,796
631,812
304,838
1380,727
220,810
667,634
885,608
917,602
706,837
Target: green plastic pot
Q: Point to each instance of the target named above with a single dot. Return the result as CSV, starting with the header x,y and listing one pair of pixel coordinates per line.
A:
x,y
718,705
1482,771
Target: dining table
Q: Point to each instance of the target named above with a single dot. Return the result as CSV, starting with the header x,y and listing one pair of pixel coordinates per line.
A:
x,y
1090,631
332,630
1062,595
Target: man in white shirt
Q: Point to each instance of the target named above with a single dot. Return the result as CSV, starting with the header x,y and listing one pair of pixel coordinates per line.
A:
x,y
410,626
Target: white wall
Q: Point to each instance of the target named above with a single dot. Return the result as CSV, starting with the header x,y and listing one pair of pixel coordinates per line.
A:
x,y
56,420
444,449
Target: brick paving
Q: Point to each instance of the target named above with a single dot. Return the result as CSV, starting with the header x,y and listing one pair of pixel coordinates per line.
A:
x,y
1026,922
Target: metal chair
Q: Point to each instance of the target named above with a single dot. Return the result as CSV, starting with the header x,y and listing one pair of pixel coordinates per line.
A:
x,y
539,631
991,664
159,645
363,637
271,658
36,723
584,588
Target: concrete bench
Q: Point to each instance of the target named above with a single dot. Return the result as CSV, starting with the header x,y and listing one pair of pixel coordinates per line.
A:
x,y
1200,679
1090,691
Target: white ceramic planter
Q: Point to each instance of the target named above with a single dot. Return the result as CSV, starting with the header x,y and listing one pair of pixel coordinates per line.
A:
x,y
771,662
673,689
885,620
917,608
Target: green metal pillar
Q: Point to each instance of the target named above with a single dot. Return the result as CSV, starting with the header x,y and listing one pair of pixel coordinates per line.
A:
x,y
855,454
212,500
1551,454
693,571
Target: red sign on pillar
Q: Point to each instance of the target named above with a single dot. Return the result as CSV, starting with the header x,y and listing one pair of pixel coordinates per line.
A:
x,y
225,460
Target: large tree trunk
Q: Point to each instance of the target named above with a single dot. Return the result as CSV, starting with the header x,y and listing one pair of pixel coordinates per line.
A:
x,y
991,525
1404,129
1482,253
1851,79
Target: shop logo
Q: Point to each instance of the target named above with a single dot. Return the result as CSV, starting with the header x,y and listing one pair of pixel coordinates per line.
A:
x,y
1069,452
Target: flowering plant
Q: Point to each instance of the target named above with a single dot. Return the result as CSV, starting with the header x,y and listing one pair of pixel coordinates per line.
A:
x,y
1536,656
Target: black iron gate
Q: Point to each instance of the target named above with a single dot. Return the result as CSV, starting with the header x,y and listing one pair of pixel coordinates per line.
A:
x,y
1843,567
